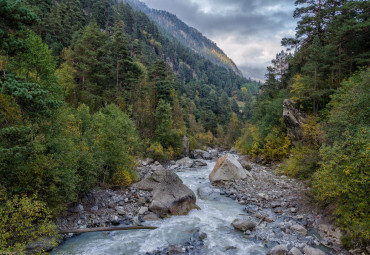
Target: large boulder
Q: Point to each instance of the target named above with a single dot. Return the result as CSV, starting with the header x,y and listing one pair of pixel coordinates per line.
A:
x,y
244,224
208,193
169,194
185,163
200,154
294,120
228,168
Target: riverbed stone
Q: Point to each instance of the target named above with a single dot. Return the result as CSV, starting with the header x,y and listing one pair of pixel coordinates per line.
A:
x,y
200,154
200,162
150,217
244,161
244,224
185,163
278,250
208,193
308,250
299,229
330,232
295,251
143,210
228,168
169,194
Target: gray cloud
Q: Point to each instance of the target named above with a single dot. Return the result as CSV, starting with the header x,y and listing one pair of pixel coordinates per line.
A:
x,y
249,31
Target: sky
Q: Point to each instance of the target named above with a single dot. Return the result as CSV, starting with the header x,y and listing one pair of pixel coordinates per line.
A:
x,y
248,31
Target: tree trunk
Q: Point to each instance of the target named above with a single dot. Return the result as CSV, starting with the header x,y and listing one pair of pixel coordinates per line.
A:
x,y
88,230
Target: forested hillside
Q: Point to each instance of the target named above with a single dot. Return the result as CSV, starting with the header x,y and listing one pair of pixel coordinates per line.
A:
x,y
86,87
188,36
325,71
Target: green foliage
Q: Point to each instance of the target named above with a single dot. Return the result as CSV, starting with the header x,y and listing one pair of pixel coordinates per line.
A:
x,y
343,176
250,142
276,145
14,17
302,163
23,220
36,64
115,141
157,152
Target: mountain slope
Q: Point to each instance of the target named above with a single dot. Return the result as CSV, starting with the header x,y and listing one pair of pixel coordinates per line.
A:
x,y
188,36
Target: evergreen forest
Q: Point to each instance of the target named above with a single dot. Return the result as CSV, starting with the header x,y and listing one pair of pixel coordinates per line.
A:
x,y
87,87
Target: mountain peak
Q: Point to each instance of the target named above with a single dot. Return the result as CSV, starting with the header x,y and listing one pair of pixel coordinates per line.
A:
x,y
188,36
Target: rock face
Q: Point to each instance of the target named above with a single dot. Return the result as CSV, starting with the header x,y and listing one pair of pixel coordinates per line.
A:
x,y
228,168
185,146
170,195
293,119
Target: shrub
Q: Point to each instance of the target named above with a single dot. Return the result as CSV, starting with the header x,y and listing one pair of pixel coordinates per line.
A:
x,y
23,220
276,145
343,179
302,163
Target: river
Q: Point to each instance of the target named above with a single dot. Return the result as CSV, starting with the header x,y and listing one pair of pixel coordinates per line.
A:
x,y
214,219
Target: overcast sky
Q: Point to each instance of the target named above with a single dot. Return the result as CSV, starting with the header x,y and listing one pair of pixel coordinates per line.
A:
x,y
248,31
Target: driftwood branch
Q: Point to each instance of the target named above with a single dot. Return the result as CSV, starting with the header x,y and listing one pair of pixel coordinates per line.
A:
x,y
86,230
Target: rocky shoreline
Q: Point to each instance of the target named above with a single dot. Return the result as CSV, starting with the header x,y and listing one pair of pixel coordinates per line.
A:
x,y
277,212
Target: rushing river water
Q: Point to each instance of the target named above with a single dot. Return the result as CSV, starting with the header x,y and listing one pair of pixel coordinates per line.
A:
x,y
214,219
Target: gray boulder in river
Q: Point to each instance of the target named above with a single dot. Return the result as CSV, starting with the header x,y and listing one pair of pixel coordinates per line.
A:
x,y
228,168
170,195
200,154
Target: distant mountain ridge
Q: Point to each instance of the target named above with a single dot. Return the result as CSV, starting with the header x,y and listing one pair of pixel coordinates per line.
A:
x,y
188,36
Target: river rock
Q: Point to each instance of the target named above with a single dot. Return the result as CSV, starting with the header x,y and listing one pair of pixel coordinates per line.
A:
x,y
143,210
157,167
208,193
295,251
245,163
199,162
185,163
228,168
308,250
299,229
294,120
170,195
331,232
42,245
147,161
175,249
150,217
244,224
200,154
278,250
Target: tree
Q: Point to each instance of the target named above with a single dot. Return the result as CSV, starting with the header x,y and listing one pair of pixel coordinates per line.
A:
x,y
89,55
127,72
14,17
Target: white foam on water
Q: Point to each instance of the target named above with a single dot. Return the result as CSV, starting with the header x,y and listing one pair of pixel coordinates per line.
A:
x,y
214,219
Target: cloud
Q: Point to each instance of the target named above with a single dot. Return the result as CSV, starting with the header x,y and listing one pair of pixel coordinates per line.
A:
x,y
248,31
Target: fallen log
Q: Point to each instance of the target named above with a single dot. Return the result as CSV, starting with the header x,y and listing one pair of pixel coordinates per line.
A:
x,y
87,230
